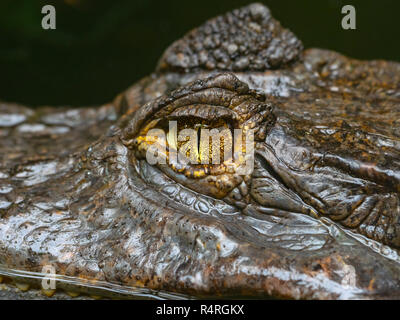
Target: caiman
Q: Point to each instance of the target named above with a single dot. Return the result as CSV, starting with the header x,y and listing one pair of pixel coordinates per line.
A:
x,y
317,218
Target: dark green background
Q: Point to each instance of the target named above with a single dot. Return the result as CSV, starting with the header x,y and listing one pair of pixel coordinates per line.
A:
x,y
101,46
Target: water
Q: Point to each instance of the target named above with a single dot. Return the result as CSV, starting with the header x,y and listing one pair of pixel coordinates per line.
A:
x,y
100,288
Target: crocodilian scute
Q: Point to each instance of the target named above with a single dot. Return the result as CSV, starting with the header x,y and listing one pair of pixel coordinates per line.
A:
x,y
248,38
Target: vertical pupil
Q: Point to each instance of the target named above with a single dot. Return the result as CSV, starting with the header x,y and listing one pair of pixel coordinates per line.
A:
x,y
198,138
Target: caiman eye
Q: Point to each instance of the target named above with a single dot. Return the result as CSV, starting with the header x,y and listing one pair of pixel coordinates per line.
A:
x,y
202,135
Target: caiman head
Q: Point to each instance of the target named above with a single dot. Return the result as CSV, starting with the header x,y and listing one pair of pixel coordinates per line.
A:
x,y
314,215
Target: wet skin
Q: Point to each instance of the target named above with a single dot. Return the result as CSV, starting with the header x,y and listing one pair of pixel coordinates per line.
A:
x,y
317,218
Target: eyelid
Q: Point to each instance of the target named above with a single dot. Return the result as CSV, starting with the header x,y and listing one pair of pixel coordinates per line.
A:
x,y
204,112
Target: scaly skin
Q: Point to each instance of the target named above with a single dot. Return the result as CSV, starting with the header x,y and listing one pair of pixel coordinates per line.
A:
x,y
318,217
